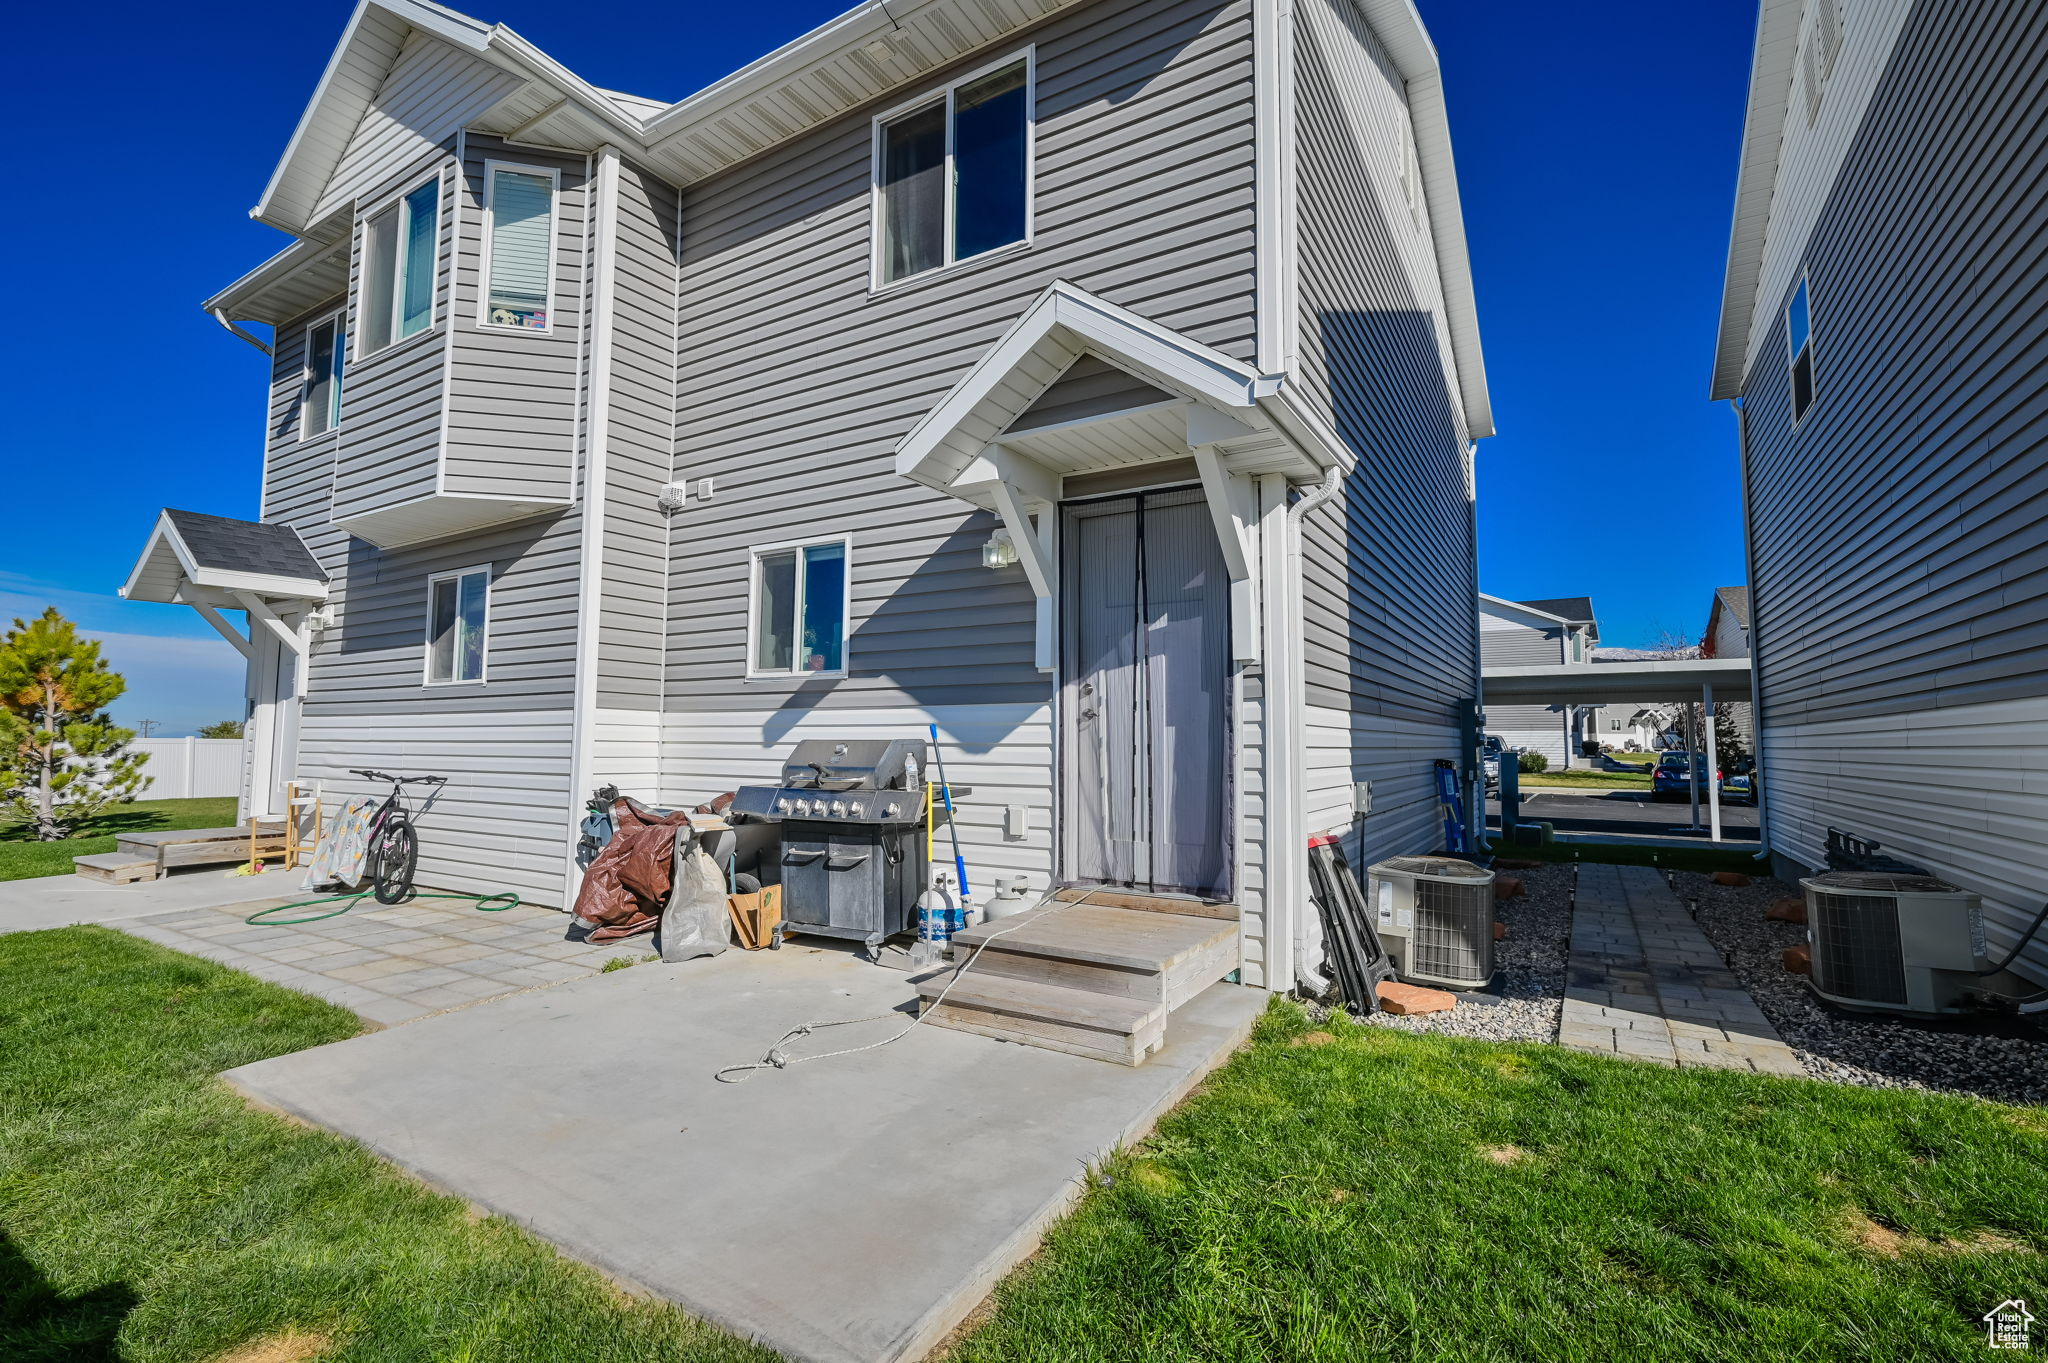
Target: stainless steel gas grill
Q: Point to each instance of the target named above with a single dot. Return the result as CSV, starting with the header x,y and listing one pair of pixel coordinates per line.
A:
x,y
853,857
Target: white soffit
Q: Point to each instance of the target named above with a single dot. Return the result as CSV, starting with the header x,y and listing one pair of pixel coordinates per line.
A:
x,y
1763,140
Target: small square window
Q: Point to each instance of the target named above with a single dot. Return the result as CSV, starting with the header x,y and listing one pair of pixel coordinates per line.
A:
x,y
953,176
798,623
458,609
320,396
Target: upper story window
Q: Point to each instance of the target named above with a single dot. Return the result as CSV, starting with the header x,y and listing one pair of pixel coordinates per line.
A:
x,y
458,611
1799,346
800,597
320,396
1578,647
953,173
519,246
401,243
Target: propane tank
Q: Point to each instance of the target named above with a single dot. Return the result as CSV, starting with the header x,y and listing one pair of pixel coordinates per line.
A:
x,y
1009,898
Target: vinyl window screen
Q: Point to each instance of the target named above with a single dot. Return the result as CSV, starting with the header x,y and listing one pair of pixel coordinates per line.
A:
x,y
322,400
401,245
954,177
799,623
521,226
457,605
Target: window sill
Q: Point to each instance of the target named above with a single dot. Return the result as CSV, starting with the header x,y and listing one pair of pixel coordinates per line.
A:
x,y
895,286
327,434
840,675
412,342
444,685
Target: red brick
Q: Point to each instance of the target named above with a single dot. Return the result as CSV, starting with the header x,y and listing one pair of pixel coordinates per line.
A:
x,y
1730,878
1507,887
1787,910
1500,931
1798,960
1406,1000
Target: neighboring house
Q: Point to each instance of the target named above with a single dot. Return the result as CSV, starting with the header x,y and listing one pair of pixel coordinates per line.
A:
x,y
1882,330
1523,633
1096,381
1727,636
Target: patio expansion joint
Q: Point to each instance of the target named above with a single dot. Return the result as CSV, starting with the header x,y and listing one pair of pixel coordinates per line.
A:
x,y
1646,984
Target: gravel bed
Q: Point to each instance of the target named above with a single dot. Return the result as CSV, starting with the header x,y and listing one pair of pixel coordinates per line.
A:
x,y
2005,1059
1527,996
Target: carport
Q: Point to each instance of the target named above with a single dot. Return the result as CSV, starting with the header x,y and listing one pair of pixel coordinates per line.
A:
x,y
1670,679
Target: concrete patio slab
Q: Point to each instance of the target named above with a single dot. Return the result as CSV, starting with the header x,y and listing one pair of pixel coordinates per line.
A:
x,y
60,901
851,1210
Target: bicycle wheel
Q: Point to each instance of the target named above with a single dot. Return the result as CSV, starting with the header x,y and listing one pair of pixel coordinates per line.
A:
x,y
392,859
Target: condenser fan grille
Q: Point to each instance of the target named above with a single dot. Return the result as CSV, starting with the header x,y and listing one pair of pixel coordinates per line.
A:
x,y
1442,868
1856,946
1453,931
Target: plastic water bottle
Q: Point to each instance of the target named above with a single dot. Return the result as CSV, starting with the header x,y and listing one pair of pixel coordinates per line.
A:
x,y
938,918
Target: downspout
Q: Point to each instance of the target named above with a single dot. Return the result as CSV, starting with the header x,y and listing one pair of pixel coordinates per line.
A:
x,y
1471,760
590,581
1756,687
1287,840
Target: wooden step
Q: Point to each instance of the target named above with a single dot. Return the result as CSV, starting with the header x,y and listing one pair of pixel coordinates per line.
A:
x,y
1186,905
1135,954
199,846
1077,1021
115,868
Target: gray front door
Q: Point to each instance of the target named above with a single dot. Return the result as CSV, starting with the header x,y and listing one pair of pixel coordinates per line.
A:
x,y
1146,651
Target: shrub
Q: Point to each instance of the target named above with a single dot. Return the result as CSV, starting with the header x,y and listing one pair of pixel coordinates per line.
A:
x,y
1532,761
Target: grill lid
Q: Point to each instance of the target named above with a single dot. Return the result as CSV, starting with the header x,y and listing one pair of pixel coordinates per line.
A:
x,y
855,764
1880,882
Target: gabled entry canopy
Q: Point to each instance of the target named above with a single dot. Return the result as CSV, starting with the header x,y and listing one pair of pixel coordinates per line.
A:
x,y
216,563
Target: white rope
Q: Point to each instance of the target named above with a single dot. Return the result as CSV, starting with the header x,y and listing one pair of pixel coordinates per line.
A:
x,y
775,1059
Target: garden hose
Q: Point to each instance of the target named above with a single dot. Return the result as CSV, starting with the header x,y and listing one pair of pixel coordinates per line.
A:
x,y
485,903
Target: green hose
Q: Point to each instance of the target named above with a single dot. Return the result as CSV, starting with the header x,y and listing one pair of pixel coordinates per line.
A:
x,y
484,904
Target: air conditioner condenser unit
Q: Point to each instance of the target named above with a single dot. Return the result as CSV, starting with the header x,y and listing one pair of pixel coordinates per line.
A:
x,y
1435,918
1891,943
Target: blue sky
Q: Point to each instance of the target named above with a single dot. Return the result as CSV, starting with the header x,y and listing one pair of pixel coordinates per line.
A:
x,y
1596,154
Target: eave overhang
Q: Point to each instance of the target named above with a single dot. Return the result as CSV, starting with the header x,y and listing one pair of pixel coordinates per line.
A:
x,y
1676,679
170,570
1763,137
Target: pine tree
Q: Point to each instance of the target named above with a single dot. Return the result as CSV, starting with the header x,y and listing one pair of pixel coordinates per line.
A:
x,y
221,728
62,759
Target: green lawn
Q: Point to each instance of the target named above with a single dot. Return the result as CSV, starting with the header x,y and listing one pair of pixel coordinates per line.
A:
x,y
147,1215
21,858
1620,780
1387,1196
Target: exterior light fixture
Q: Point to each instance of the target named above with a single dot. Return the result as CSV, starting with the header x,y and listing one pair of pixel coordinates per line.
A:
x,y
999,552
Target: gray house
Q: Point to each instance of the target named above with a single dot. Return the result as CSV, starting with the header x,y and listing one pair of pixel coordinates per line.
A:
x,y
1883,330
1521,633
1096,381
1727,636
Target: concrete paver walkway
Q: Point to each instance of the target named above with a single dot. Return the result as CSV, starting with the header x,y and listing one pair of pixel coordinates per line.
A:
x,y
1644,983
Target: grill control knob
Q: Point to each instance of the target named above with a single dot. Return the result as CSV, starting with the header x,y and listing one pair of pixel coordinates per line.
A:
x,y
891,810
782,806
803,806
854,810
839,806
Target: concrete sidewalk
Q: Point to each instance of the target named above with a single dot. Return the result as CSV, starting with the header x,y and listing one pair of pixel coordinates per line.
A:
x,y
1644,982
59,901
851,1210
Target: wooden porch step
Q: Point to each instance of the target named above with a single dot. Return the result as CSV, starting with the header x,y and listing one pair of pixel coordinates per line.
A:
x,y
197,846
115,868
1155,958
1185,905
1077,1021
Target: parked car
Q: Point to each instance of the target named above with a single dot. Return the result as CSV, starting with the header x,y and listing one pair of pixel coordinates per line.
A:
x,y
1489,762
1671,778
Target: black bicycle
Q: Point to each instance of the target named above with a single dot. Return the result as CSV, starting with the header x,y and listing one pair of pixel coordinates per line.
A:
x,y
393,848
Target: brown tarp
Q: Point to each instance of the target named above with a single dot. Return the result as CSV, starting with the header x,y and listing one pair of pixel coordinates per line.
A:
x,y
625,888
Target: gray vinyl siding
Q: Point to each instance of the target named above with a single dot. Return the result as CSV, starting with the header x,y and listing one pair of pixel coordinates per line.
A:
x,y
1503,643
514,397
1388,576
389,446
640,449
1532,728
796,383
1901,533
1090,387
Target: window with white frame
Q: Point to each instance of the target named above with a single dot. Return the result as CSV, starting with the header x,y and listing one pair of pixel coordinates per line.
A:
x,y
458,612
800,595
953,173
519,246
401,243
1799,347
320,393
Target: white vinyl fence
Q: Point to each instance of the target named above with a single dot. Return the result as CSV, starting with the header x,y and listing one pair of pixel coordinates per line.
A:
x,y
190,768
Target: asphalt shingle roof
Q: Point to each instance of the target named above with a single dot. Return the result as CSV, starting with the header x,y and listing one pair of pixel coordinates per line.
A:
x,y
1736,601
1577,609
245,546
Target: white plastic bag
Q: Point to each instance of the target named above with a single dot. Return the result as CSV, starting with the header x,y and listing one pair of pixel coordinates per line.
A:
x,y
694,922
